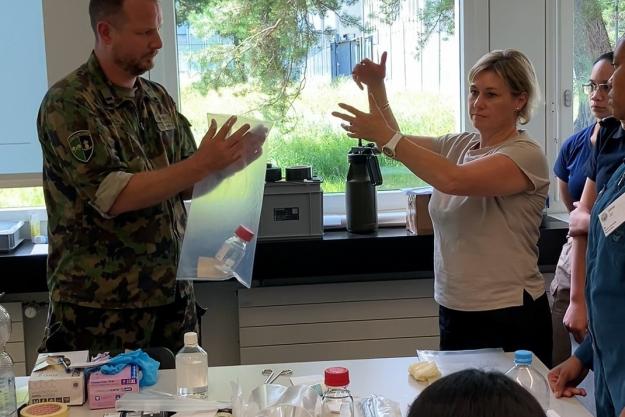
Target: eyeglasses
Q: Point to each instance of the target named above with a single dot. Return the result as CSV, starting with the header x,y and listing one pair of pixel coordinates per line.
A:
x,y
592,87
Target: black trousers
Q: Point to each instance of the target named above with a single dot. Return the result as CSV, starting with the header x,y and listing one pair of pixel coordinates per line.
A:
x,y
525,327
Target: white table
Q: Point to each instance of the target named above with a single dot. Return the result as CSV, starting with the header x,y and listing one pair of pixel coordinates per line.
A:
x,y
386,376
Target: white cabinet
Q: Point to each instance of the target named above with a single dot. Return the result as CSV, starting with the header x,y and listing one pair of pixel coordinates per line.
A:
x,y
337,321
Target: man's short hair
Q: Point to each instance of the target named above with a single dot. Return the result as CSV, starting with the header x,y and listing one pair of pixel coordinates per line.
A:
x,y
104,9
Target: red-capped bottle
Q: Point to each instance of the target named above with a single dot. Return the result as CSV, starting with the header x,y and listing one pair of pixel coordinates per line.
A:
x,y
233,249
337,400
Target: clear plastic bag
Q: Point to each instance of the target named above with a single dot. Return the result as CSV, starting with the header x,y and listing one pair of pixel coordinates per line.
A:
x,y
492,359
149,401
377,406
219,206
273,400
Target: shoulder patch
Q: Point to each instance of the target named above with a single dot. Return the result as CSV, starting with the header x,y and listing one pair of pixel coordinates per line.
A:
x,y
81,145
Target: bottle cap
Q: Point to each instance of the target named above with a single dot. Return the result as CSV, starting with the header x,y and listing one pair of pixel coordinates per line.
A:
x,y
336,377
244,233
190,338
523,357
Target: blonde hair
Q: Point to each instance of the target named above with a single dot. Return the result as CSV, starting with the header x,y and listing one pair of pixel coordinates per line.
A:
x,y
517,72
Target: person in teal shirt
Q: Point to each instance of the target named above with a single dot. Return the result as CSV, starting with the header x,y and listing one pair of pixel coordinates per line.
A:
x,y
605,283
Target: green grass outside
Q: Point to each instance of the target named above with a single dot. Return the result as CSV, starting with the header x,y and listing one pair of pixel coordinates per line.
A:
x,y
311,136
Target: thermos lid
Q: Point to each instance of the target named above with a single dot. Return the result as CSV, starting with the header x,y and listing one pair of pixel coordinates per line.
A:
x,y
298,173
273,174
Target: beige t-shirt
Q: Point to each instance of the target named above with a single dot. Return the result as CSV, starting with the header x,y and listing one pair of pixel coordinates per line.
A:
x,y
485,248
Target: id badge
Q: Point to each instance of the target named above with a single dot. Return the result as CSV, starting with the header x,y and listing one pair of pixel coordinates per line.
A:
x,y
613,215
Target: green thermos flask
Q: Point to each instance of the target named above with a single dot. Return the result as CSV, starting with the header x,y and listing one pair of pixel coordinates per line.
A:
x,y
360,194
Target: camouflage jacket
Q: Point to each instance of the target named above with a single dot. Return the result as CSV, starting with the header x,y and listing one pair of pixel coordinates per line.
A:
x,y
94,137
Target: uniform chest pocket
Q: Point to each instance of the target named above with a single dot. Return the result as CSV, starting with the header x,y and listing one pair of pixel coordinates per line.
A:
x,y
167,132
164,123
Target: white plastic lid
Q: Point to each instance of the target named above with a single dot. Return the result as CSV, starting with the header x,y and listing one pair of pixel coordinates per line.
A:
x,y
190,338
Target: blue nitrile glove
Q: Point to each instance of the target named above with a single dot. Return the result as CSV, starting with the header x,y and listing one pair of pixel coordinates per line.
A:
x,y
149,367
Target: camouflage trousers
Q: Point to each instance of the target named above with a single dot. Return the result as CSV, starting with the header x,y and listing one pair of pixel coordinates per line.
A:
x,y
73,327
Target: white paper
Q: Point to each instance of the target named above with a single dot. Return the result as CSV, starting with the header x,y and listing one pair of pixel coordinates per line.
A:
x,y
613,216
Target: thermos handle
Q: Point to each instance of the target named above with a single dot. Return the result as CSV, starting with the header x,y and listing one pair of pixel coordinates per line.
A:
x,y
374,170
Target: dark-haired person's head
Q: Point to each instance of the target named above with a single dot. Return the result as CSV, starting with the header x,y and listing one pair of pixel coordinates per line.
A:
x,y
127,32
109,10
598,87
617,81
475,393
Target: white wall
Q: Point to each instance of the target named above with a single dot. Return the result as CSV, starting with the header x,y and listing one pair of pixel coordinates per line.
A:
x,y
521,25
69,38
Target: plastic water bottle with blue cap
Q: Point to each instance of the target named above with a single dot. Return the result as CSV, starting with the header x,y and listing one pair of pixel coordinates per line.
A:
x,y
529,378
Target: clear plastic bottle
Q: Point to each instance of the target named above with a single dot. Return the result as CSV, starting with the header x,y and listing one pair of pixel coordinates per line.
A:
x,y
8,403
233,249
192,368
529,378
337,401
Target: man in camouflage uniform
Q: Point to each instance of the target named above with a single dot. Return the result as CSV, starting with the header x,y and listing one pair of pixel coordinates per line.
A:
x,y
118,160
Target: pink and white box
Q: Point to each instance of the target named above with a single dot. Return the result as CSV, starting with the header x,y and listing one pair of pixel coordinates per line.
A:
x,y
103,390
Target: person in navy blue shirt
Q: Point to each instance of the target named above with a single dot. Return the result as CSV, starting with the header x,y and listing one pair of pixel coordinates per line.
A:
x,y
570,170
604,347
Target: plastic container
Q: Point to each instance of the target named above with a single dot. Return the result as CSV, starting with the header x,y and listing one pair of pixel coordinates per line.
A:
x,y
8,402
529,378
192,368
337,400
233,249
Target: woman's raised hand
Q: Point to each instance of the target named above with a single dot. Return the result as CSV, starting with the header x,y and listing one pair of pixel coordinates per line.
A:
x,y
370,126
369,73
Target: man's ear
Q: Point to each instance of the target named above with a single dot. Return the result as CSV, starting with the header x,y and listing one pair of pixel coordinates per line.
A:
x,y
103,31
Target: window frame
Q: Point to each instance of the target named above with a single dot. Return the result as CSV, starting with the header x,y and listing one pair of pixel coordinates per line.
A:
x,y
334,203
473,28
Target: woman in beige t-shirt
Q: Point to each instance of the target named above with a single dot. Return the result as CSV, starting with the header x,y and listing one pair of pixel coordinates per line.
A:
x,y
489,192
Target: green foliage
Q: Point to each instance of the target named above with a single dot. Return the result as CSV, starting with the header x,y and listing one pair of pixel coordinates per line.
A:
x,y
21,197
436,15
389,10
314,136
265,46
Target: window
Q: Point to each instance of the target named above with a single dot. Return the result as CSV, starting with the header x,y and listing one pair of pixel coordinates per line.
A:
x,y
294,66
19,148
572,49
22,82
597,26
478,25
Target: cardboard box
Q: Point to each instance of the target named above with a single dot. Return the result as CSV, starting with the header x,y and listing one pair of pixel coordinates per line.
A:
x,y
418,219
51,382
103,390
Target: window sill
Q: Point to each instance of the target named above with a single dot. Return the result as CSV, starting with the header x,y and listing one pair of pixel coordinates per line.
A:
x,y
394,218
